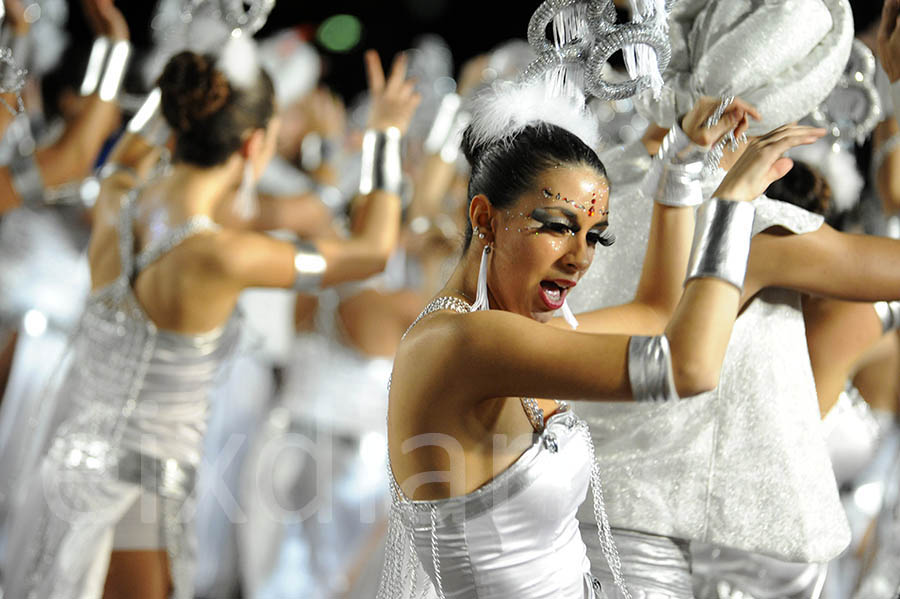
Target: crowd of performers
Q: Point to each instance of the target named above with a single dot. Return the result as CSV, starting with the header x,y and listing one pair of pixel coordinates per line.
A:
x,y
611,313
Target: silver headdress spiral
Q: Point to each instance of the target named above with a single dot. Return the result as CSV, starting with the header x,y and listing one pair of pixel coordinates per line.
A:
x,y
853,108
585,35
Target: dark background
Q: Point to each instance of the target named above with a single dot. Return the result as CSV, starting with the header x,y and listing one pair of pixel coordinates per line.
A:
x,y
470,27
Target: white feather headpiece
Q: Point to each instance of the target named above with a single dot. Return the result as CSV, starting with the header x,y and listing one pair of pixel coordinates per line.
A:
x,y
239,61
505,108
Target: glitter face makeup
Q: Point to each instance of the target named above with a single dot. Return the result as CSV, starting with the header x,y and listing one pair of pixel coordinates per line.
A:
x,y
546,241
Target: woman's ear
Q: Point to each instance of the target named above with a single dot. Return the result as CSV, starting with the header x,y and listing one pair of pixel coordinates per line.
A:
x,y
481,216
253,144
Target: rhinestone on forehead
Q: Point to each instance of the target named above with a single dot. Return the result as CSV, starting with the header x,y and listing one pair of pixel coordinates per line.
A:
x,y
591,210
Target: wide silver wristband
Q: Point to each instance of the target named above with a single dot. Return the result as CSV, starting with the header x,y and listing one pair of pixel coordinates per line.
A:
x,y
721,247
445,136
96,61
309,266
889,315
675,175
381,168
148,121
895,95
650,369
27,179
114,70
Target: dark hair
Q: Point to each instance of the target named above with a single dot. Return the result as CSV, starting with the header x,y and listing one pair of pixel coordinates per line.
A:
x,y
208,115
803,186
504,170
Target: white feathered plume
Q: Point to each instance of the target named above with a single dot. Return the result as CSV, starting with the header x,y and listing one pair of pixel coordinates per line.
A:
x,y
239,61
505,108
838,168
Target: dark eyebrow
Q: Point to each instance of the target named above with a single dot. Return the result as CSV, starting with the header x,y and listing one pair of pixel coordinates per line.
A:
x,y
565,211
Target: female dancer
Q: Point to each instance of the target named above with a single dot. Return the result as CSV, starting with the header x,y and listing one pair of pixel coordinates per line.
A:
x,y
160,321
485,487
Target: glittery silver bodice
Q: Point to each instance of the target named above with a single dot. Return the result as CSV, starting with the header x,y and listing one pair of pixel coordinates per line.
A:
x,y
742,466
516,536
132,385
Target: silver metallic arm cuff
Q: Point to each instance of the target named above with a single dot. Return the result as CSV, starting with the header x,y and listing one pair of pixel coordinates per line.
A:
x,y
381,162
650,369
895,95
889,314
114,70
309,266
675,175
94,71
445,136
721,248
27,179
148,121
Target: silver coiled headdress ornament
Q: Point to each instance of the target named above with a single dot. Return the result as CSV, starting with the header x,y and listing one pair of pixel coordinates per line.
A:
x,y
585,35
782,56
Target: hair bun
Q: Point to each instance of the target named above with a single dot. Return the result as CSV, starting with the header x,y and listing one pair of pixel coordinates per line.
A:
x,y
192,90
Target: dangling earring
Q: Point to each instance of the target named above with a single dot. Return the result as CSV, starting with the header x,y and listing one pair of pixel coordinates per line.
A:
x,y
481,295
567,315
246,206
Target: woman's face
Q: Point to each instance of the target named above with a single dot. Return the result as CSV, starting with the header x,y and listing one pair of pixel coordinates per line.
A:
x,y
545,241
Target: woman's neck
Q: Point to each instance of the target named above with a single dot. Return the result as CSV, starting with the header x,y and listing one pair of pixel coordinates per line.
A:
x,y
194,191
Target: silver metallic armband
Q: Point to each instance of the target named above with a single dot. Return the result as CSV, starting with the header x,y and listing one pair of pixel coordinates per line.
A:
x,y
445,137
381,162
27,179
309,266
94,71
895,95
107,65
650,369
148,121
114,70
675,176
889,315
721,248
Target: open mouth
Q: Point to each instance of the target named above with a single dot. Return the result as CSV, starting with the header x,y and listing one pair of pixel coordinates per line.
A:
x,y
553,293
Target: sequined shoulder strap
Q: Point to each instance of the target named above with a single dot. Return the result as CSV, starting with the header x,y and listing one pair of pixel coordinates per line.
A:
x,y
440,303
172,238
125,233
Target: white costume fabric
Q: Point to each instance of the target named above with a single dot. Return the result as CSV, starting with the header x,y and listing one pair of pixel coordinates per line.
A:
x,y
314,486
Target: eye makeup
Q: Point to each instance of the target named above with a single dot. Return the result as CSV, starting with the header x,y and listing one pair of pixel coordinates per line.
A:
x,y
564,224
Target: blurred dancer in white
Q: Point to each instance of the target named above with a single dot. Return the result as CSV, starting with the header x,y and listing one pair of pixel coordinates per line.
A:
x,y
107,499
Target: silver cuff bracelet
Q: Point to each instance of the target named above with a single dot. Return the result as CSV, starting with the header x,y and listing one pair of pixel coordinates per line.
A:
x,y
27,180
309,266
889,315
650,369
443,124
381,162
895,95
95,66
148,121
721,246
114,70
675,177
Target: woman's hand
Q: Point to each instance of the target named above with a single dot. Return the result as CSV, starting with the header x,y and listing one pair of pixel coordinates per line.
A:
x,y
736,118
763,162
393,101
105,19
889,39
